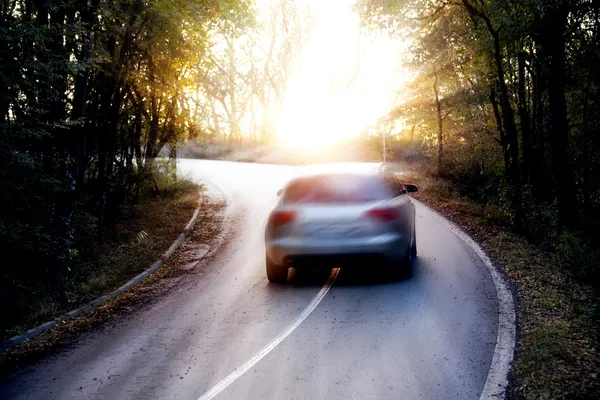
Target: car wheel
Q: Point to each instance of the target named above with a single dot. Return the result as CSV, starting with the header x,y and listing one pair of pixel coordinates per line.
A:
x,y
413,248
402,269
406,265
276,273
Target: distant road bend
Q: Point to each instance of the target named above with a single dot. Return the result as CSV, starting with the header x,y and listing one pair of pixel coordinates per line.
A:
x,y
429,337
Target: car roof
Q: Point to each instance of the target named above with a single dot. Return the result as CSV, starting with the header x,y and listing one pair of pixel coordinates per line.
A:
x,y
356,168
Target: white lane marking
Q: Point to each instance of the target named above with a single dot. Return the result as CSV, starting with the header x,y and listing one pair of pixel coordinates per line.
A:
x,y
497,379
229,379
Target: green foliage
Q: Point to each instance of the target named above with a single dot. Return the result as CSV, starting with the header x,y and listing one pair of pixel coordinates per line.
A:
x,y
90,93
505,101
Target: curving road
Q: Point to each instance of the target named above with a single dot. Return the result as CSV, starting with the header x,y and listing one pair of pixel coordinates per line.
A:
x,y
429,337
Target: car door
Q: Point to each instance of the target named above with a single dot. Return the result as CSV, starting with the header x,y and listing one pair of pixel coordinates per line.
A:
x,y
400,201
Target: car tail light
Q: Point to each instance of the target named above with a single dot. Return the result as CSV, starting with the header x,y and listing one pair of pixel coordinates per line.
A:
x,y
279,218
382,214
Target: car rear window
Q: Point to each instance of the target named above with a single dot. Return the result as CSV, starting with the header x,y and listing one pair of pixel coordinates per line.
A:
x,y
334,188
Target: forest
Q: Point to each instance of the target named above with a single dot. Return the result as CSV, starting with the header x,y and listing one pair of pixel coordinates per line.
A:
x,y
91,91
97,98
504,103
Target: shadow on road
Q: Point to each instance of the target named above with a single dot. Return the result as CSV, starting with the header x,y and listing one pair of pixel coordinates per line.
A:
x,y
351,275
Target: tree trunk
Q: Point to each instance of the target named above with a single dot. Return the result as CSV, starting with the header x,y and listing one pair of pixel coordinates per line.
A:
x,y
233,122
152,140
215,118
588,143
508,115
440,135
173,161
78,113
137,140
524,119
587,200
502,140
101,192
9,70
558,129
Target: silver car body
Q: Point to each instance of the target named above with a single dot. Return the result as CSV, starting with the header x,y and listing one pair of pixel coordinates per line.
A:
x,y
375,217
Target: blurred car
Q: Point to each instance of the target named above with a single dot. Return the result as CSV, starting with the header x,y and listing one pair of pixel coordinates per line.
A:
x,y
342,213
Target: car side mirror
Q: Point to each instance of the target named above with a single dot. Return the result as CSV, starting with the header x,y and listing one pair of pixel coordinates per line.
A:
x,y
410,188
279,192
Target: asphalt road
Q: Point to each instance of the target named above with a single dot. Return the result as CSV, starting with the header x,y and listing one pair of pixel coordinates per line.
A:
x,y
429,337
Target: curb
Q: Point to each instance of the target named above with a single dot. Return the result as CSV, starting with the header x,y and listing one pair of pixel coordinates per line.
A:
x,y
15,340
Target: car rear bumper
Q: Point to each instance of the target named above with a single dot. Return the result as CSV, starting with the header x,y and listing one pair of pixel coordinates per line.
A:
x,y
294,251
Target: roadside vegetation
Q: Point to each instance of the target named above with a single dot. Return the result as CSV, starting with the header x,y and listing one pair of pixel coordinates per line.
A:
x,y
140,235
91,93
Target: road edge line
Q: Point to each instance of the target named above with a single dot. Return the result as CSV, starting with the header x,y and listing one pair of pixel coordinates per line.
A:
x,y
496,383
92,305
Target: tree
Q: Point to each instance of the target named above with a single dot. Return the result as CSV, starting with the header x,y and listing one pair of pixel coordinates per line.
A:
x,y
90,92
528,57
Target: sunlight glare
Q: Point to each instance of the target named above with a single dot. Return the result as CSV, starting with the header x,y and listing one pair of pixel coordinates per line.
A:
x,y
343,82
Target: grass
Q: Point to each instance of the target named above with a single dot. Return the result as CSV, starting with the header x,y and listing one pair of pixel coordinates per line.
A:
x,y
140,236
557,354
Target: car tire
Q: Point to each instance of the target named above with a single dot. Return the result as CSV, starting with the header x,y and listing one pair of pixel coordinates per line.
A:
x,y
276,273
406,265
401,269
413,247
